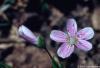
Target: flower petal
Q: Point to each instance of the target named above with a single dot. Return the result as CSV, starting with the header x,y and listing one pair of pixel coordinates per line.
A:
x,y
65,50
84,45
25,33
58,36
86,33
71,27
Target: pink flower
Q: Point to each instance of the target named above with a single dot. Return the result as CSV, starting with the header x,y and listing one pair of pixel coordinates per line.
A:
x,y
72,39
27,34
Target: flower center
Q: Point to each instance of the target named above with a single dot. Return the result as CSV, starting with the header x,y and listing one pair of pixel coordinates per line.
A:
x,y
72,40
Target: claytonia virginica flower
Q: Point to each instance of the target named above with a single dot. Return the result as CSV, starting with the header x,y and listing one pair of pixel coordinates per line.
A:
x,y
27,34
72,39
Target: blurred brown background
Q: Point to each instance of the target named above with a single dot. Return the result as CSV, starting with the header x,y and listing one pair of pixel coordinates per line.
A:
x,y
41,16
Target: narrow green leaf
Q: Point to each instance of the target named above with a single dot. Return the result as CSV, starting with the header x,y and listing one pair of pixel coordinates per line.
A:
x,y
56,63
3,65
6,4
9,1
4,7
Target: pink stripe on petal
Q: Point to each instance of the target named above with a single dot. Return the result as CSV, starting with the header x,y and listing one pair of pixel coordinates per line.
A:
x,y
84,45
71,27
65,50
86,33
26,34
58,36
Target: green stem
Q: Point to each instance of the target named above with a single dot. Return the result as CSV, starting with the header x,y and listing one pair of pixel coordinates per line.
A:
x,y
48,53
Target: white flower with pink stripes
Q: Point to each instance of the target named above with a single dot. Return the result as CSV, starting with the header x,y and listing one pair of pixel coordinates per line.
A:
x,y
72,39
